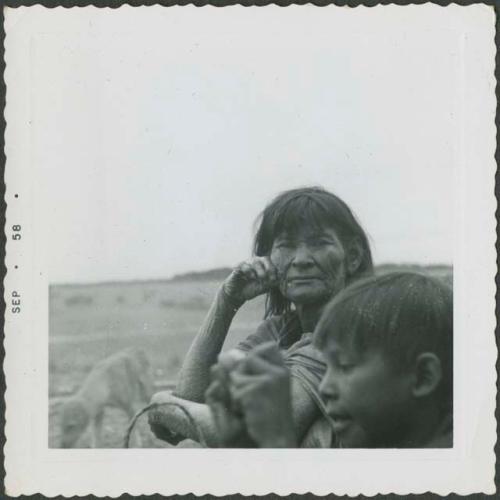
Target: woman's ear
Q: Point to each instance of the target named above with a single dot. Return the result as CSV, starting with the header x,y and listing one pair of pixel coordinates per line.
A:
x,y
354,256
428,374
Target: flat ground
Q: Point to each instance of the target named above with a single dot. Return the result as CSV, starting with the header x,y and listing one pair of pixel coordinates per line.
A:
x,y
90,322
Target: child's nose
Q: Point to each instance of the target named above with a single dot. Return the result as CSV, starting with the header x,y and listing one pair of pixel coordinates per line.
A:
x,y
328,387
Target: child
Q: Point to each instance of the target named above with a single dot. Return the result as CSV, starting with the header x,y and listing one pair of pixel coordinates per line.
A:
x,y
388,345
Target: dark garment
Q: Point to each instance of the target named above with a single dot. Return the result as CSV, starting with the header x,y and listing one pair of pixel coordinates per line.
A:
x,y
321,435
285,330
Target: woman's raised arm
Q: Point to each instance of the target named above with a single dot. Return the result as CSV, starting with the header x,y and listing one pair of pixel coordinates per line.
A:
x,y
194,376
247,281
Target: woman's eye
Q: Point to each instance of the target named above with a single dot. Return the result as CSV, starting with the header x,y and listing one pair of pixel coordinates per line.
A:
x,y
322,242
316,243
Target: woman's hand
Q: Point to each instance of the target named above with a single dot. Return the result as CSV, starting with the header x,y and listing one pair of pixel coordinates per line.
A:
x,y
230,427
260,385
250,279
229,422
156,419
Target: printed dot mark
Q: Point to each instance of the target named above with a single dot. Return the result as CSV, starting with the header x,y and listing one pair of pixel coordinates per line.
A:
x,y
15,267
16,196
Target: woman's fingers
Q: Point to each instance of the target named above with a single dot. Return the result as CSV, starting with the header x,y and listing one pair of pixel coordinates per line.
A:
x,y
230,427
274,270
259,268
247,387
250,279
248,270
239,379
215,392
161,397
227,360
269,269
244,392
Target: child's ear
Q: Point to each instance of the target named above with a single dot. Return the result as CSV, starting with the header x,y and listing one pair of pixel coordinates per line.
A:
x,y
354,256
428,374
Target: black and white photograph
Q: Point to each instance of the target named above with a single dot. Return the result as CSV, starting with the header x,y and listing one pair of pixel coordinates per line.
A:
x,y
250,239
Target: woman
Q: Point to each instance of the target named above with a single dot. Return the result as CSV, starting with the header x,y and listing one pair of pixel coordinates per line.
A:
x,y
307,248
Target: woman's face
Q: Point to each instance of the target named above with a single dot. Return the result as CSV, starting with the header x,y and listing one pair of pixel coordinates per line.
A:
x,y
311,264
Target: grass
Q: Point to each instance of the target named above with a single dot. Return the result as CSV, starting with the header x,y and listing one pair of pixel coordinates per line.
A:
x,y
88,323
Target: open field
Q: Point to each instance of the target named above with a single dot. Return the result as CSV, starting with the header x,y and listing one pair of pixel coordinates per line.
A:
x,y
88,323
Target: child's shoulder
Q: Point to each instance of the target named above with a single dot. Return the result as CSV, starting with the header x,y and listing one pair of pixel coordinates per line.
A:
x,y
443,436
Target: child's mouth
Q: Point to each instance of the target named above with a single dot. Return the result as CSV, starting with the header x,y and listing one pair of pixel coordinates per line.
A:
x,y
340,422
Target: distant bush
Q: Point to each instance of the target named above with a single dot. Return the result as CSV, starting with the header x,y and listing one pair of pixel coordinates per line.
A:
x,y
78,300
218,274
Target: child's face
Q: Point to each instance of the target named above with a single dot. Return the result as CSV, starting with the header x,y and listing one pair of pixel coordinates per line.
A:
x,y
369,402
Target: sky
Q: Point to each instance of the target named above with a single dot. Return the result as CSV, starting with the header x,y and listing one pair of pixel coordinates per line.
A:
x,y
159,134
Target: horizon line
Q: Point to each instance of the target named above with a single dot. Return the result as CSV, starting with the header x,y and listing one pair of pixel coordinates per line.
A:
x,y
178,277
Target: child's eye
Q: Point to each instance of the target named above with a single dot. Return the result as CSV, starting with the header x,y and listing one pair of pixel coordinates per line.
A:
x,y
346,367
342,366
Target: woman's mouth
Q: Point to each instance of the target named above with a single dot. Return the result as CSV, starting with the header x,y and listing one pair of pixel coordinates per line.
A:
x,y
300,279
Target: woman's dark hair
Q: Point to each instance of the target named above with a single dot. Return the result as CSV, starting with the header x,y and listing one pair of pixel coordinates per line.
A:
x,y
308,207
401,314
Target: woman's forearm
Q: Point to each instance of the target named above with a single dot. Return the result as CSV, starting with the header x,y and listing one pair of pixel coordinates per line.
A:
x,y
194,376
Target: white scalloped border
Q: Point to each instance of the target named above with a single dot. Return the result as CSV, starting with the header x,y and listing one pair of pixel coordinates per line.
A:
x,y
468,468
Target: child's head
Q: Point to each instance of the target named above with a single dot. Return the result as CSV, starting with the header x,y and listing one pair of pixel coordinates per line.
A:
x,y
311,208
388,344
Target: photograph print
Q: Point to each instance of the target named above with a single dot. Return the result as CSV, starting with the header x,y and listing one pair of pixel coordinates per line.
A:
x,y
257,228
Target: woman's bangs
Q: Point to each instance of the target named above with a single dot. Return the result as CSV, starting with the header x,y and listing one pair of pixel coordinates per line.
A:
x,y
302,212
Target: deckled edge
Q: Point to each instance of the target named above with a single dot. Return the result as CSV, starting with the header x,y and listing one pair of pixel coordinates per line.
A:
x,y
497,243
114,4
222,3
3,244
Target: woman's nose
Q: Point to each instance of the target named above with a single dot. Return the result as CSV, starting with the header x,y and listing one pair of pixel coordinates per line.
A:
x,y
302,256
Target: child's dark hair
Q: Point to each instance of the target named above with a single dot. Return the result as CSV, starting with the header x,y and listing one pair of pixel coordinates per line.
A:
x,y
308,207
403,314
